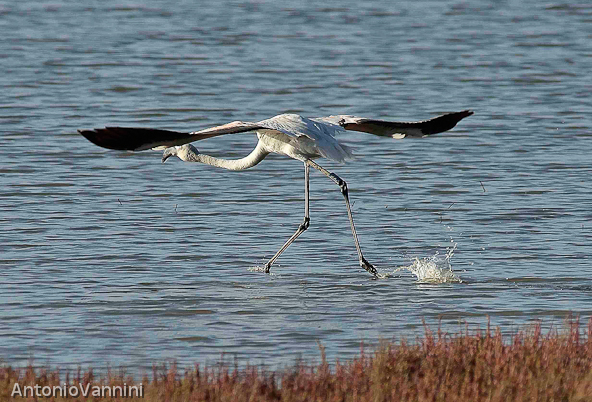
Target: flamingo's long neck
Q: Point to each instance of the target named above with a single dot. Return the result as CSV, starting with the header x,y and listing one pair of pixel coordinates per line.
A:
x,y
252,159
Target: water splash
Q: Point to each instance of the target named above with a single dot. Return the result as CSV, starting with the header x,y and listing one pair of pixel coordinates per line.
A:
x,y
434,269
256,268
261,268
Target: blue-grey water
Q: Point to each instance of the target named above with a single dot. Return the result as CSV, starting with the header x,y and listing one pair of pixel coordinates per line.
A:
x,y
112,259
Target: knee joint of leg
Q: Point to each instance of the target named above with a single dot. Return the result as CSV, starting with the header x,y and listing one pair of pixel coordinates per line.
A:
x,y
305,224
343,186
341,183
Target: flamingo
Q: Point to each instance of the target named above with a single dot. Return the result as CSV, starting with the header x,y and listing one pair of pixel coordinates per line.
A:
x,y
292,135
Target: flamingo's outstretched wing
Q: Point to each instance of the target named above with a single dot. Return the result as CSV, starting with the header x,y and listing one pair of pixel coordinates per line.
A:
x,y
139,139
398,129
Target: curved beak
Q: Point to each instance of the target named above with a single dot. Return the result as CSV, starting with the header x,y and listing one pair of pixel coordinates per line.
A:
x,y
167,154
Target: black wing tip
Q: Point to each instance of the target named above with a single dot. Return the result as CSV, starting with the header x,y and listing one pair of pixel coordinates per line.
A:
x,y
106,138
86,132
133,138
92,135
460,115
445,122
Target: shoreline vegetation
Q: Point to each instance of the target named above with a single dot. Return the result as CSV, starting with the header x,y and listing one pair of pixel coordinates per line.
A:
x,y
476,365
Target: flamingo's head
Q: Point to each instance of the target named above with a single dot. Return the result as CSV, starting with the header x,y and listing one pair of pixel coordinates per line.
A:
x,y
182,151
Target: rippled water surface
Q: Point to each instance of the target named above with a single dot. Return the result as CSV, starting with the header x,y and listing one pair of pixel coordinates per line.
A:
x,y
113,259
